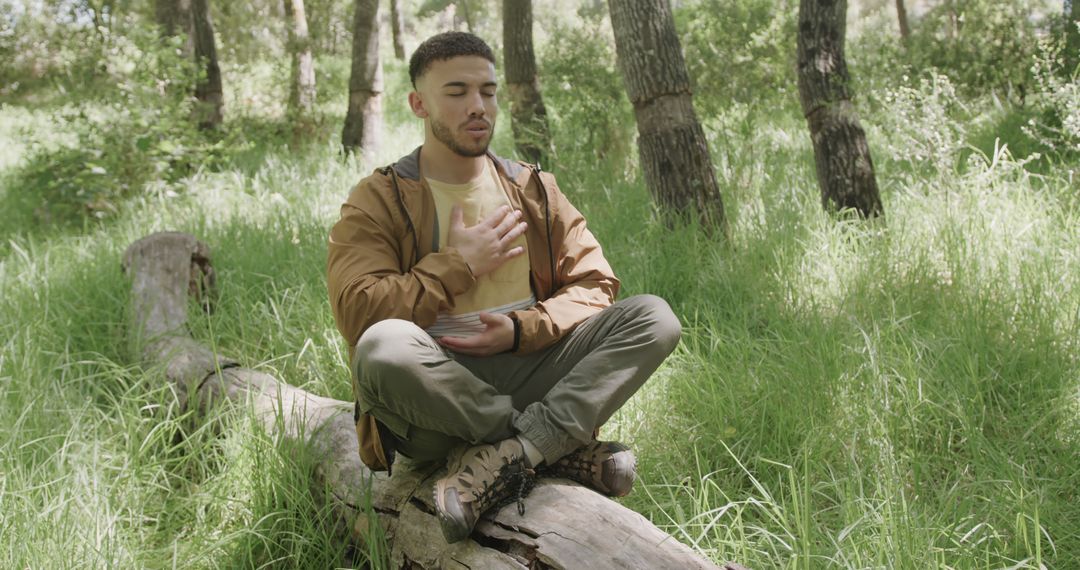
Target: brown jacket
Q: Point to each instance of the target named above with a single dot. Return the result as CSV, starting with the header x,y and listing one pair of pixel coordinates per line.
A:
x,y
384,262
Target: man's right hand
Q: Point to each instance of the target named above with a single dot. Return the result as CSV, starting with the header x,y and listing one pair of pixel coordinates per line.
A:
x,y
487,245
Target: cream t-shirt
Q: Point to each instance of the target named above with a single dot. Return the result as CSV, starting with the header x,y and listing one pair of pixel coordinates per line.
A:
x,y
504,290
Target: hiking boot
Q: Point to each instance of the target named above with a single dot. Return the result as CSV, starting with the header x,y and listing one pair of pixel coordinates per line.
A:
x,y
479,478
607,467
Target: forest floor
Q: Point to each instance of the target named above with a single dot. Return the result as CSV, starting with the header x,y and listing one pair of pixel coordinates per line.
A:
x,y
901,393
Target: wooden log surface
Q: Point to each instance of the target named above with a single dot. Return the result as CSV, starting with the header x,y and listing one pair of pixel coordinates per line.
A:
x,y
565,525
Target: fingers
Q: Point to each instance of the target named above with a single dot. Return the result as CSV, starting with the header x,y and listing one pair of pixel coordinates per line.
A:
x,y
514,233
457,217
507,222
474,345
495,218
459,342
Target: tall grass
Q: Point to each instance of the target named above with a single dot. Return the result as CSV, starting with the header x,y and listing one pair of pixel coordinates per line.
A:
x,y
893,394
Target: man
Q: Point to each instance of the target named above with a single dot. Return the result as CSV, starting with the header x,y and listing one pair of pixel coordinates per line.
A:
x,y
479,308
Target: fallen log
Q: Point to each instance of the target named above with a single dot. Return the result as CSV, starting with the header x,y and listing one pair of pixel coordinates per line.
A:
x,y
566,525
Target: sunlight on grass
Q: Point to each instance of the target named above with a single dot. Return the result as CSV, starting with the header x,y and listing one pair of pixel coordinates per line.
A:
x,y
903,393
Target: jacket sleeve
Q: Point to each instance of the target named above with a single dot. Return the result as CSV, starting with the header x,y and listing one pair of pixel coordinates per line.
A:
x,y
364,276
584,282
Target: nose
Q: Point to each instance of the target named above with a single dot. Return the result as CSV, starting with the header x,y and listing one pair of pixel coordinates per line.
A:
x,y
476,104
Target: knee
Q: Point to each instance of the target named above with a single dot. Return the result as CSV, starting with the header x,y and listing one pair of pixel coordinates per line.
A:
x,y
661,323
381,350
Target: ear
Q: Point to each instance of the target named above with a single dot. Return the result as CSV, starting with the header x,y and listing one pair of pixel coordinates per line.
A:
x,y
416,103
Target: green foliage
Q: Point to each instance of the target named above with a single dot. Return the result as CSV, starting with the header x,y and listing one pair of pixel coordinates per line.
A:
x,y
46,46
991,43
1056,102
590,116
898,394
140,132
926,120
738,51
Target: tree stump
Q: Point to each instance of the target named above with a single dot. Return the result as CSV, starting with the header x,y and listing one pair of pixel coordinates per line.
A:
x,y
565,525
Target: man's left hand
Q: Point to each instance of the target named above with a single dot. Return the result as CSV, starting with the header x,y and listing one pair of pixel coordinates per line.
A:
x,y
498,336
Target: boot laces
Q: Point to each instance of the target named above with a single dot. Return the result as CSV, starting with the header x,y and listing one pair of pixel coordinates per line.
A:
x,y
513,476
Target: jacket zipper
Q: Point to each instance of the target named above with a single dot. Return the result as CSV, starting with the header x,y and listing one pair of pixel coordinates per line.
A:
x,y
547,222
404,212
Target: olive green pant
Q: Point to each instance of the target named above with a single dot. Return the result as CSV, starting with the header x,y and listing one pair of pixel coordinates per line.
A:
x,y
434,399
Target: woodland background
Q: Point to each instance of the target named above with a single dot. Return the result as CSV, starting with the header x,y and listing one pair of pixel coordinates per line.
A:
x,y
900,391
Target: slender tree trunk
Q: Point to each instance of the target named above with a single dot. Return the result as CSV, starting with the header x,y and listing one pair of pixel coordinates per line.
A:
x,y
466,11
302,87
842,156
174,18
363,121
671,144
951,26
901,16
208,108
528,116
397,26
1072,35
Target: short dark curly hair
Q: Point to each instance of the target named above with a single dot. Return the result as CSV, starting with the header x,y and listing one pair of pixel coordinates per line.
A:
x,y
445,46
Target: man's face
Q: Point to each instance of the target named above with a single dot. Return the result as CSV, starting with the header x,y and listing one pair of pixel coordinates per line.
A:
x,y
457,96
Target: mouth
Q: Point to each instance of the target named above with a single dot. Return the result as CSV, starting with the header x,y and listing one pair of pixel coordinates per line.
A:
x,y
477,128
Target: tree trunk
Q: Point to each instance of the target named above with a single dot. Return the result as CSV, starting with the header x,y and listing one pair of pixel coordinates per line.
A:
x,y
470,18
1072,35
951,20
397,27
901,16
208,95
528,117
844,169
363,121
174,18
565,525
671,144
302,87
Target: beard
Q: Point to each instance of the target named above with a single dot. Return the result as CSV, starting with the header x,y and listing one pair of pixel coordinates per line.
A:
x,y
466,149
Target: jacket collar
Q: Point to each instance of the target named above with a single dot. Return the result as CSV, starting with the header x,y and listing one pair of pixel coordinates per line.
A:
x,y
408,167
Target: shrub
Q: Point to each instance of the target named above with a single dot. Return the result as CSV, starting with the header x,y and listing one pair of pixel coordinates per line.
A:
x,y
741,51
136,132
1057,103
920,118
990,46
591,118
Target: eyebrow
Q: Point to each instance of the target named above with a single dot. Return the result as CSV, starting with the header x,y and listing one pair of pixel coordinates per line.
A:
x,y
465,85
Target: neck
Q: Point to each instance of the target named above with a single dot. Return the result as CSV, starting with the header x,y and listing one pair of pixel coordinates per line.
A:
x,y
439,162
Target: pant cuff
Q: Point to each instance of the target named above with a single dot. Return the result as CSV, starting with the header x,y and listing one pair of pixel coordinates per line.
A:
x,y
552,441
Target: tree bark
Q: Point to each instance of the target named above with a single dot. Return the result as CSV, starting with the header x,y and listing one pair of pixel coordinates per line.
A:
x,y
208,94
901,16
528,117
363,121
842,157
565,525
397,27
302,86
671,144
